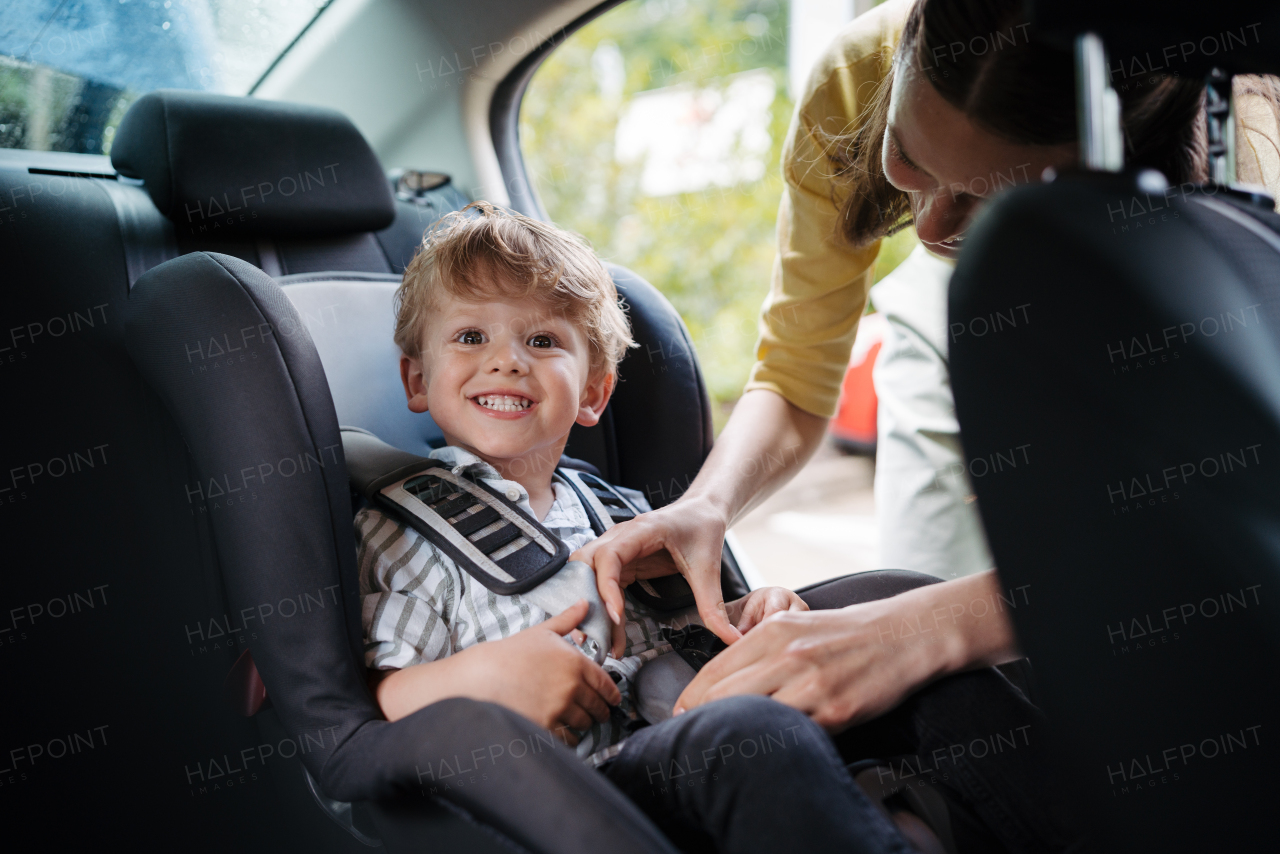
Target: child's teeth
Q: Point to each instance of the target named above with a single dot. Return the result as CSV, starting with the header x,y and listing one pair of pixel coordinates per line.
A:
x,y
503,403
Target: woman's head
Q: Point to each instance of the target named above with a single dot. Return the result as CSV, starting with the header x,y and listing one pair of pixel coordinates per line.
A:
x,y
974,103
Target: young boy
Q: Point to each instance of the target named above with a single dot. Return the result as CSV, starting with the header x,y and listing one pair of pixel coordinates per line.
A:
x,y
511,331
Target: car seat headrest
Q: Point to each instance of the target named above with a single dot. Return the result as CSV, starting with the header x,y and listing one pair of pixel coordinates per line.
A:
x,y
221,166
1147,37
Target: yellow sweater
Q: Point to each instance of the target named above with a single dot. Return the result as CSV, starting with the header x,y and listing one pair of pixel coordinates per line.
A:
x,y
819,287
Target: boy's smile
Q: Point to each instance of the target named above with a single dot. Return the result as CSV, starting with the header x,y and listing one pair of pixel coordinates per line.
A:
x,y
500,404
506,379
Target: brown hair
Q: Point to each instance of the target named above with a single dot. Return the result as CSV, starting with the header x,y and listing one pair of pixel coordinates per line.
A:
x,y
1017,88
500,253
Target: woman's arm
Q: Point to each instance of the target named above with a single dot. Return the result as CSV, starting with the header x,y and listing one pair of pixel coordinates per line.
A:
x,y
765,442
850,665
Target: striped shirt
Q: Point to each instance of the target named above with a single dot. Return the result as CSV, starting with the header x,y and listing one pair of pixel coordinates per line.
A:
x,y
417,605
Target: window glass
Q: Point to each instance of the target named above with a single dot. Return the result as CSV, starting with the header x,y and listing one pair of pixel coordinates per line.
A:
x,y
69,69
656,131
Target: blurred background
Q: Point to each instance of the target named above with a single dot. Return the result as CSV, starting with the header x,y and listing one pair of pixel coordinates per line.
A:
x,y
656,131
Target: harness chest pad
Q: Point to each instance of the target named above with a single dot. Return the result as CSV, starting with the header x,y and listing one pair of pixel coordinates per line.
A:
x,y
613,505
486,534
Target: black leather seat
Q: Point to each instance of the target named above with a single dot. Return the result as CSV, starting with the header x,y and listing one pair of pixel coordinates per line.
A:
x,y
174,524
1147,389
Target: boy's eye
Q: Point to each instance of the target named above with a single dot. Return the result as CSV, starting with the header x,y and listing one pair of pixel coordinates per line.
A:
x,y
471,336
542,342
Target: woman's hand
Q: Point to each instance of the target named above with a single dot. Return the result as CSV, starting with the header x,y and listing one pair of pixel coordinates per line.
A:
x,y
751,610
765,442
686,537
846,666
831,665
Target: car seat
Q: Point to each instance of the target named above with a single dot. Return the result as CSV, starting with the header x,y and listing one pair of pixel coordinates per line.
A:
x,y
144,571
1146,388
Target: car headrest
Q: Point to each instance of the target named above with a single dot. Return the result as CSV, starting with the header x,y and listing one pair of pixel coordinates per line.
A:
x,y
220,166
1151,37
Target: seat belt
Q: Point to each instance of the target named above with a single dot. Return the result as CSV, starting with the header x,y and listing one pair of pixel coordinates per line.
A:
x,y
147,235
482,530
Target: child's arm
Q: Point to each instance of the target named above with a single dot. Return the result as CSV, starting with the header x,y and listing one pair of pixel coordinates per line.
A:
x,y
750,610
533,672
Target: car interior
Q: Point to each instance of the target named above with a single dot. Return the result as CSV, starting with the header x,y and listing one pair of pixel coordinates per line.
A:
x,y
308,257
193,319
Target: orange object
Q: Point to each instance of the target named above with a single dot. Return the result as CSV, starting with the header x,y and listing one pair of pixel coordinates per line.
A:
x,y
854,427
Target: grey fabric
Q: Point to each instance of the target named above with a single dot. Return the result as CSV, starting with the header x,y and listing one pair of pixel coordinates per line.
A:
x,y
350,320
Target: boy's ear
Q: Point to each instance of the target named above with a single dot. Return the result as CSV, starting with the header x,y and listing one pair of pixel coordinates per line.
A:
x,y
415,383
595,397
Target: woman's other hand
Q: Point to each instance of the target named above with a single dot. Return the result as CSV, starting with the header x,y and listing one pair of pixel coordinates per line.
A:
x,y
684,537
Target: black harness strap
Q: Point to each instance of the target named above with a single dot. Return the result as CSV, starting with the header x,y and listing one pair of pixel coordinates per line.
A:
x,y
599,499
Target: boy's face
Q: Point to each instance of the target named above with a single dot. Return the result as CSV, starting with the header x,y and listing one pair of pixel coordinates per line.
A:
x,y
505,379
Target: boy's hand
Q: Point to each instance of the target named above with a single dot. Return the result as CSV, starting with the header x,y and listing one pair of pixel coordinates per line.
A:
x,y
535,673
750,610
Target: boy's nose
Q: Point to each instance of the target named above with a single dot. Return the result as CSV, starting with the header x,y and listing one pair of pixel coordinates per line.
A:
x,y
506,360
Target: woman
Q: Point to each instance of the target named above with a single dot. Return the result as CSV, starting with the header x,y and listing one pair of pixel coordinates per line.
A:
x,y
916,114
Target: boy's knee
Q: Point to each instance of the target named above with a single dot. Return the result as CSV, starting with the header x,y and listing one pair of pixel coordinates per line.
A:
x,y
755,710
739,722
479,735
757,741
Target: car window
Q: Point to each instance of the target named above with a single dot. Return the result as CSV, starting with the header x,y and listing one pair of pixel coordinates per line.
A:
x,y
656,132
70,70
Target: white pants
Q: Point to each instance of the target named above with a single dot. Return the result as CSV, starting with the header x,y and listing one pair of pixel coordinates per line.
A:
x,y
924,503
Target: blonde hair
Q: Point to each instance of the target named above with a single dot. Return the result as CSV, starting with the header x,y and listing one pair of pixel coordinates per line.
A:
x,y
500,253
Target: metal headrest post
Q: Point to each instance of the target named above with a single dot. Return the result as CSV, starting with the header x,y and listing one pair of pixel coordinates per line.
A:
x,y
1097,108
1221,109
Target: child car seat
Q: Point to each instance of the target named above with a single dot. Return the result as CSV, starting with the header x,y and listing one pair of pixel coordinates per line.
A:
x,y
144,570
